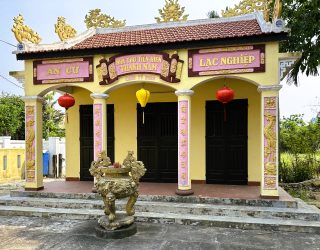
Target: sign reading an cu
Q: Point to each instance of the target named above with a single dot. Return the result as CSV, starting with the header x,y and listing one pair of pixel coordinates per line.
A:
x,y
229,60
65,70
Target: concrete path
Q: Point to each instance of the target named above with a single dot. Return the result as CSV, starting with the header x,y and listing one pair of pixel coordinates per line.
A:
x,y
40,233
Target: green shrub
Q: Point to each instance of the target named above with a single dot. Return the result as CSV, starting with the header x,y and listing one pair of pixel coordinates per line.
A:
x,y
297,169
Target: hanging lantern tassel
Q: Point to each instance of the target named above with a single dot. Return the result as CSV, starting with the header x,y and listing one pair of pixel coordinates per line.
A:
x,y
225,95
67,116
66,101
142,115
143,97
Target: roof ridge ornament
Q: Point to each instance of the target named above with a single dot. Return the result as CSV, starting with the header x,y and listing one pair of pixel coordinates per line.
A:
x,y
171,12
23,33
96,19
64,30
249,6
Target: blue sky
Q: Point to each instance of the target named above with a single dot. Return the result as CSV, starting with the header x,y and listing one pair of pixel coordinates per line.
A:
x,y
41,15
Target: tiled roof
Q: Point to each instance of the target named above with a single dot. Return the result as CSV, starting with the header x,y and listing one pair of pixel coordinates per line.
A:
x,y
250,25
172,35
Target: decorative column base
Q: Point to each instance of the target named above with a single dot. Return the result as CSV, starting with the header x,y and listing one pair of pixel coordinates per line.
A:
x,y
182,192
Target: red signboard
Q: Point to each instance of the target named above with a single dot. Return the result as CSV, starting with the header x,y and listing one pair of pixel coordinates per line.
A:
x,y
228,60
168,67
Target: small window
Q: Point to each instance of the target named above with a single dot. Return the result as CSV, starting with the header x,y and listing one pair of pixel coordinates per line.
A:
x,y
19,161
4,162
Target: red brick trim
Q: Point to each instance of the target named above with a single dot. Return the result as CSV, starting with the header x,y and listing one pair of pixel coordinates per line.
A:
x,y
34,189
253,183
72,179
198,181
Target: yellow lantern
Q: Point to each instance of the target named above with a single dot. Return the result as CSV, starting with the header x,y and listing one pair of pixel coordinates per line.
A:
x,y
143,97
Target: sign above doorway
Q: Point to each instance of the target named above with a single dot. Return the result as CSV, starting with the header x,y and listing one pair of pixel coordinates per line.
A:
x,y
63,70
227,60
169,68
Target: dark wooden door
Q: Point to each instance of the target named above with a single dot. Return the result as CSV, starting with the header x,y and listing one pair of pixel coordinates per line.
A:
x,y
158,141
86,138
226,142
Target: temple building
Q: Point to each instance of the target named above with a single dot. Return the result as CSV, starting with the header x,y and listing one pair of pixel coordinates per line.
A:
x,y
184,134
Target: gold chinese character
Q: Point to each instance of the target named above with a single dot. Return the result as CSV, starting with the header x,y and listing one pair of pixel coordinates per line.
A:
x,y
183,154
97,111
183,108
183,176
97,123
183,142
183,164
183,132
98,133
183,120
97,143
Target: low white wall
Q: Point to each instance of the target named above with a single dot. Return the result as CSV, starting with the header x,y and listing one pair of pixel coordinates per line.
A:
x,y
54,145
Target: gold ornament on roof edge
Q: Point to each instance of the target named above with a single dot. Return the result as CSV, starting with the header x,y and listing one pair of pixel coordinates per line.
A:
x,y
23,32
98,20
171,12
64,30
277,10
248,6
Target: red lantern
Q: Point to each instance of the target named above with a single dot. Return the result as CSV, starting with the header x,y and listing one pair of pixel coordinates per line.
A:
x,y
225,95
66,101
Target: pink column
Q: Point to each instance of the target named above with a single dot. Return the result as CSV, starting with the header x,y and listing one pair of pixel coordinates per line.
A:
x,y
269,141
99,125
97,130
184,181
33,138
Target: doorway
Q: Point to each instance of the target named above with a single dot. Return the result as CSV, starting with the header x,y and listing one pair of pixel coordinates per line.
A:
x,y
227,142
157,140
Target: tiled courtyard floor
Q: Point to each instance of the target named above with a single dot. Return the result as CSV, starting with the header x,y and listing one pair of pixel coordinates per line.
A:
x,y
147,188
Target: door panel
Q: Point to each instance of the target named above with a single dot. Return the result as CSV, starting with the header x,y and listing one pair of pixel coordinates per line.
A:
x,y
226,142
158,141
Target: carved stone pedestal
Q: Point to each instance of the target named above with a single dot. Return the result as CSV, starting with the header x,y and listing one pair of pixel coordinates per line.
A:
x,y
123,227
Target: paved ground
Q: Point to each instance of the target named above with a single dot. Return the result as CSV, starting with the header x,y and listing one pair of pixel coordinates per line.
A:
x,y
41,233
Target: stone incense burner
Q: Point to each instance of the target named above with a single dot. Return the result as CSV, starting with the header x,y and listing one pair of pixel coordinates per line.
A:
x,y
117,182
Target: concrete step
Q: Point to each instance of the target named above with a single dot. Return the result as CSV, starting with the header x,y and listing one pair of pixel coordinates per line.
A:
x,y
165,198
303,212
169,218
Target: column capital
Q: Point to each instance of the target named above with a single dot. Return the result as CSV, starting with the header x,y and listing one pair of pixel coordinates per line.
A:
x,y
265,88
32,98
99,96
184,92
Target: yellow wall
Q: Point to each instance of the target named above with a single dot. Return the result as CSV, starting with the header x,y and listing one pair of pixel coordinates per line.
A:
x,y
122,95
12,172
125,104
205,92
82,97
270,77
